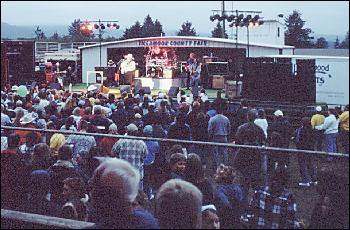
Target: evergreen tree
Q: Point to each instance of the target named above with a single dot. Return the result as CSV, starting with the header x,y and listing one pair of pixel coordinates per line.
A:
x,y
158,29
321,43
148,27
296,35
186,30
336,45
217,32
345,44
55,37
39,34
135,31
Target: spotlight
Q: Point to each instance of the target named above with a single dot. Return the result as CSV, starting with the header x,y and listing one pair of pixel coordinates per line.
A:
x,y
231,18
261,22
109,25
90,27
96,26
247,19
251,24
216,16
242,24
116,26
102,26
212,18
240,17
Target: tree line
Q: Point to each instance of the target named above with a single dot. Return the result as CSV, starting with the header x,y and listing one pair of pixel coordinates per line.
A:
x,y
296,35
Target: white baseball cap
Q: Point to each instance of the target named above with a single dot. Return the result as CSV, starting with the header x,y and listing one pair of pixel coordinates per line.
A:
x,y
278,113
318,108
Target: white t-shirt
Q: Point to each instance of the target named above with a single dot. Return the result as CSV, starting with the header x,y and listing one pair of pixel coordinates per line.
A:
x,y
262,123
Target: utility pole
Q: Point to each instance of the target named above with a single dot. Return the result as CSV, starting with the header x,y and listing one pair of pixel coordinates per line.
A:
x,y
223,21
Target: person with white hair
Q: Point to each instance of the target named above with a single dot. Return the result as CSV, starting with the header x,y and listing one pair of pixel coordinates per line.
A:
x,y
178,205
114,187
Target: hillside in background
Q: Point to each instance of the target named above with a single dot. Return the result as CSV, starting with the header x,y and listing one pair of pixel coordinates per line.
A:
x,y
14,32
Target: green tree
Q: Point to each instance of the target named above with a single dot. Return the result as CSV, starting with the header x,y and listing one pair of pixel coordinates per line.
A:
x,y
321,43
55,37
135,31
186,30
217,32
148,27
75,33
39,34
158,29
337,43
345,43
296,35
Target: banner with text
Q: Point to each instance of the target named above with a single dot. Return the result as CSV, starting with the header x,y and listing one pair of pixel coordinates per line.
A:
x,y
173,43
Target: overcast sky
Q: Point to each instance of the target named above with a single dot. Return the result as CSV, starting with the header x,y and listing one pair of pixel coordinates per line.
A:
x,y
329,17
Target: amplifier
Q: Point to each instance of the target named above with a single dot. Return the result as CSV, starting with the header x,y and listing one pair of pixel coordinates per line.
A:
x,y
218,82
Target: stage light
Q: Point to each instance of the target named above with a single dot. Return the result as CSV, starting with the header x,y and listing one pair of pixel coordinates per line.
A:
x,y
242,24
247,19
231,18
116,26
90,27
251,24
261,22
240,17
96,26
217,16
102,26
256,18
212,18
109,25
82,27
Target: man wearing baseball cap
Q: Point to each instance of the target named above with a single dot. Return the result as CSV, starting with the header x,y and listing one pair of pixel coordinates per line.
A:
x,y
316,120
282,126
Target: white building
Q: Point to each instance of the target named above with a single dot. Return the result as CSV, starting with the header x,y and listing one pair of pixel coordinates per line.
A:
x,y
271,32
90,55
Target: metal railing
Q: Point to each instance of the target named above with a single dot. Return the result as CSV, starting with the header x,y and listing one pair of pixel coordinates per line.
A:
x,y
329,173
20,220
186,142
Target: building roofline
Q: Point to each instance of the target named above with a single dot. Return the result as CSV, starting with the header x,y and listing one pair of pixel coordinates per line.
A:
x,y
308,56
223,40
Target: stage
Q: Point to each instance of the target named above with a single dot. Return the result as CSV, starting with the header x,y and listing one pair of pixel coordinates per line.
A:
x,y
159,83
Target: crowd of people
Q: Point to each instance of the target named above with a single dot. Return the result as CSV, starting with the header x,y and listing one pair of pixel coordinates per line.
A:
x,y
109,180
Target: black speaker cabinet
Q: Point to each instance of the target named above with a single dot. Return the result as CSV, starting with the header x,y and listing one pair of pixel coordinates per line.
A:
x,y
125,88
173,91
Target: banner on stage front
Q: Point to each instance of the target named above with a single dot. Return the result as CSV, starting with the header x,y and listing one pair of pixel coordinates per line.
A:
x,y
173,43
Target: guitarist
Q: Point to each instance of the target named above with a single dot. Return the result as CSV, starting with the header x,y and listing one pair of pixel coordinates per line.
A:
x,y
189,63
195,71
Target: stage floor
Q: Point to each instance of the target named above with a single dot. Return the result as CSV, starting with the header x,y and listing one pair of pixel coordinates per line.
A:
x,y
116,91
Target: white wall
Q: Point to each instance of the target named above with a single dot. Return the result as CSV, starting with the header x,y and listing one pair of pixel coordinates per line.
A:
x,y
91,59
267,33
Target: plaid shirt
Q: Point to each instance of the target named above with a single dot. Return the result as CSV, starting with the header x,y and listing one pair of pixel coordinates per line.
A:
x,y
133,151
273,212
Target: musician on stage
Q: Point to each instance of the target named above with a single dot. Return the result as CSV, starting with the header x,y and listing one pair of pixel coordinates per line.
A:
x,y
195,73
127,70
190,61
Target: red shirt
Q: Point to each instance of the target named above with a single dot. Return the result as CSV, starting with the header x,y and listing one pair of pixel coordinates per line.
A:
x,y
107,143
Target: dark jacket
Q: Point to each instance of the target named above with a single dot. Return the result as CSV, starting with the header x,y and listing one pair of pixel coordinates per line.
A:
x,y
58,172
179,131
228,201
282,126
